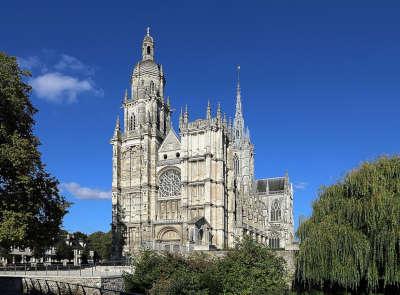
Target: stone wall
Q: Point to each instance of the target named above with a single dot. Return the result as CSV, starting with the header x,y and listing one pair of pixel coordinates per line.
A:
x,y
84,285
14,285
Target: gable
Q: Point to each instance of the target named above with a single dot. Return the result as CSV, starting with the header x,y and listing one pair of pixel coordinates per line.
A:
x,y
170,143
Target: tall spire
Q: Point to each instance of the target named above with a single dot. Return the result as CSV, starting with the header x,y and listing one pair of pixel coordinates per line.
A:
x,y
209,110
238,95
238,124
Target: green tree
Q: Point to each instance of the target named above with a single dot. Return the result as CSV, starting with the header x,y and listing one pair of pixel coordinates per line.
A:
x,y
31,208
80,237
352,239
100,243
249,268
64,251
252,268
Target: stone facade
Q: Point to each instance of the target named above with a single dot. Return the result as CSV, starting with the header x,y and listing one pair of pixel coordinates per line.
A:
x,y
194,190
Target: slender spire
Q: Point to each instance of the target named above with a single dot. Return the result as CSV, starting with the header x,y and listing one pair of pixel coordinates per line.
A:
x,y
126,95
209,110
238,77
117,128
238,94
219,112
181,120
148,31
238,124
186,115
168,102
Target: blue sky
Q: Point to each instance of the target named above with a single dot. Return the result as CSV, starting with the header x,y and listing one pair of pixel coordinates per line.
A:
x,y
320,82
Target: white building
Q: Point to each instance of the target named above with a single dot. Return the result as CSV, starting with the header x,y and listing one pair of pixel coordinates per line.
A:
x,y
191,190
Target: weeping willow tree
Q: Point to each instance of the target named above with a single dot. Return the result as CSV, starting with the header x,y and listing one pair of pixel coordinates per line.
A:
x,y
352,239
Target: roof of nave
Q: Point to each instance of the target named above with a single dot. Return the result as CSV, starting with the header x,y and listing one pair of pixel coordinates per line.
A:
x,y
171,142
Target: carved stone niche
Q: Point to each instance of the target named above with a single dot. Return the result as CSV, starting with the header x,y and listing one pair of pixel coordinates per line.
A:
x,y
200,233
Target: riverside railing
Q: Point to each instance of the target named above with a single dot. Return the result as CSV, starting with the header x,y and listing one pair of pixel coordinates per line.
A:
x,y
98,269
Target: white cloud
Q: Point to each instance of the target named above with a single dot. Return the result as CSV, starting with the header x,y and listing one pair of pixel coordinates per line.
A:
x,y
59,78
68,62
87,193
29,63
300,185
57,87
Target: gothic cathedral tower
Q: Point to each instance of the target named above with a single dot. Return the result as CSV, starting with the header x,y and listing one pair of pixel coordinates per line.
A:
x,y
146,122
192,191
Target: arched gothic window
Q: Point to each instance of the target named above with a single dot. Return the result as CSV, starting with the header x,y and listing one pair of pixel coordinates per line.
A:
x,y
148,50
151,86
276,211
170,184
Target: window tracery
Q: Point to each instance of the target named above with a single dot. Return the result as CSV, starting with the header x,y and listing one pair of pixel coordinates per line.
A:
x,y
170,184
276,211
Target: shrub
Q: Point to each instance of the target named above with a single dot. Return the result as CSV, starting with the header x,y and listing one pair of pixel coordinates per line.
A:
x,y
249,268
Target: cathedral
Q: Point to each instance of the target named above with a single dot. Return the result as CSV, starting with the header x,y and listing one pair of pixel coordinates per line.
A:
x,y
193,189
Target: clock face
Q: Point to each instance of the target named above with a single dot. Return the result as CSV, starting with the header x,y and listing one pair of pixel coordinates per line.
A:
x,y
170,184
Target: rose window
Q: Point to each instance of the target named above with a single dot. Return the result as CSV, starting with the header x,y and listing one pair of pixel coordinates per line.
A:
x,y
170,184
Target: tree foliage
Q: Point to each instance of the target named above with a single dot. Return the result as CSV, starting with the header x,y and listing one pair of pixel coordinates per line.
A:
x,y
250,268
64,251
31,208
352,240
100,243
